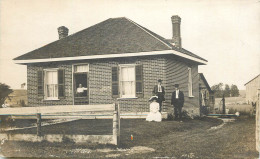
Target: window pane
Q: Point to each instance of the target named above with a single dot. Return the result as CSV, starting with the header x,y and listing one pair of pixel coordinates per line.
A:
x,y
51,77
52,90
128,88
128,74
81,68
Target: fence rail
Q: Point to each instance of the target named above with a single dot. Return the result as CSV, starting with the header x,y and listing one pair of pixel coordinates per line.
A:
x,y
107,111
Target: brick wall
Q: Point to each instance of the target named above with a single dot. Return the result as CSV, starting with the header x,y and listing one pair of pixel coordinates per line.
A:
x,y
100,82
34,99
168,69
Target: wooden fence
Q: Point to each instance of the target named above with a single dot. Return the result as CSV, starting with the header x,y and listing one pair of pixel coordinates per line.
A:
x,y
107,111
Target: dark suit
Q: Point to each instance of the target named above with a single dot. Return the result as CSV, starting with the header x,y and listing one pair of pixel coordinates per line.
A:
x,y
160,95
177,104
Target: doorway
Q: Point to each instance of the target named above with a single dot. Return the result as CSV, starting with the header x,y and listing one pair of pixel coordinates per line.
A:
x,y
81,88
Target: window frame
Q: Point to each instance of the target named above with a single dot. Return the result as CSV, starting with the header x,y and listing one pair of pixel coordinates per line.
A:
x,y
74,71
45,86
120,81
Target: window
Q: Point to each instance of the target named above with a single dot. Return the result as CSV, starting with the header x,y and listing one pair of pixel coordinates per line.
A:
x,y
81,68
190,82
50,84
127,81
81,80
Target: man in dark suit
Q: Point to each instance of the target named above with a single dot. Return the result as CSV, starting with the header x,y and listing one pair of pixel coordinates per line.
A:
x,y
159,91
177,101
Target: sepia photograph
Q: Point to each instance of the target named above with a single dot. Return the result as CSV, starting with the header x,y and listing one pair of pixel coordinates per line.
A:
x,y
152,79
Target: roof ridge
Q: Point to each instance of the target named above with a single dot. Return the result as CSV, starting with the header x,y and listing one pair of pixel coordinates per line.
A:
x,y
149,33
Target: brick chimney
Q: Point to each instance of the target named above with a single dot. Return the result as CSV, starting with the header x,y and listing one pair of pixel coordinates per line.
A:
x,y
63,32
176,30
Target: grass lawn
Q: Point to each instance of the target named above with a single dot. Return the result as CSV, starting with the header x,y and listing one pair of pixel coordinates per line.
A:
x,y
190,139
77,127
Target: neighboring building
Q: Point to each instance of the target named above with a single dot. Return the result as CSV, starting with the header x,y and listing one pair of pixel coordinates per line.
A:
x,y
251,89
207,98
116,59
17,98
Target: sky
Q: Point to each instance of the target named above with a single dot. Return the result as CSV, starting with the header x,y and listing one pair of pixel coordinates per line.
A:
x,y
225,32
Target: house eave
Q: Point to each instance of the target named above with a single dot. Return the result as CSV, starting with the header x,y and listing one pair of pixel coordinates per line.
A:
x,y
164,52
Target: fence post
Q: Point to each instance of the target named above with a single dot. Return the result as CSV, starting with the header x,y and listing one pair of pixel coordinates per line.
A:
x,y
115,130
38,115
224,106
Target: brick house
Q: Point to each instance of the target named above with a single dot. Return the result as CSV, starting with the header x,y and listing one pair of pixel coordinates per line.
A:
x,y
116,59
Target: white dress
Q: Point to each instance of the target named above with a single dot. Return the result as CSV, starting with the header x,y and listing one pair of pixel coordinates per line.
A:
x,y
154,114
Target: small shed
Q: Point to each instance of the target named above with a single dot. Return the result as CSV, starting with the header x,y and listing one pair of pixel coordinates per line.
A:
x,y
207,98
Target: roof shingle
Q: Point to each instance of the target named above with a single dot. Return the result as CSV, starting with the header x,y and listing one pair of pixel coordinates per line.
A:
x,y
112,36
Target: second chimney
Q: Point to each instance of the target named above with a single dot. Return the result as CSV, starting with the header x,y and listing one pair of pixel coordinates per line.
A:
x,y
176,30
63,32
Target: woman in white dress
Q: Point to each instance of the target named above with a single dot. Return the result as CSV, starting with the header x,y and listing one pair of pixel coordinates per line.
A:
x,y
154,114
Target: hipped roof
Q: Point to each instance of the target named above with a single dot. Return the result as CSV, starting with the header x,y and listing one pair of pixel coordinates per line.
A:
x,y
112,36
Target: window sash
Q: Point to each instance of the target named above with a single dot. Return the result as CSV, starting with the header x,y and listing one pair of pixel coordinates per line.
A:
x,y
51,84
127,81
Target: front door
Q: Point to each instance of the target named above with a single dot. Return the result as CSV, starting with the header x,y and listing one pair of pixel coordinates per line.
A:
x,y
81,88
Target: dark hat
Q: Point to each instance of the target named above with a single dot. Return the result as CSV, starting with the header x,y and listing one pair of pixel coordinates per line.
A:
x,y
176,85
159,80
153,98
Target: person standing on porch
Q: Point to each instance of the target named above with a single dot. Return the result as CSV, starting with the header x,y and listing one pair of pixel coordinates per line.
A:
x,y
177,102
159,91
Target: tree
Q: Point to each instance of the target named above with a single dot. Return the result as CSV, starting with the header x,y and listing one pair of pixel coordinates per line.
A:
x,y
4,93
227,91
218,90
234,91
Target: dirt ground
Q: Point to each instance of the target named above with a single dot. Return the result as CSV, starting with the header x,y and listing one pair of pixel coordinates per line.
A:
x,y
168,139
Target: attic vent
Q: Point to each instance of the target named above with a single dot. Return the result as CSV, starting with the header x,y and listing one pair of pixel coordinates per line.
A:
x,y
63,32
